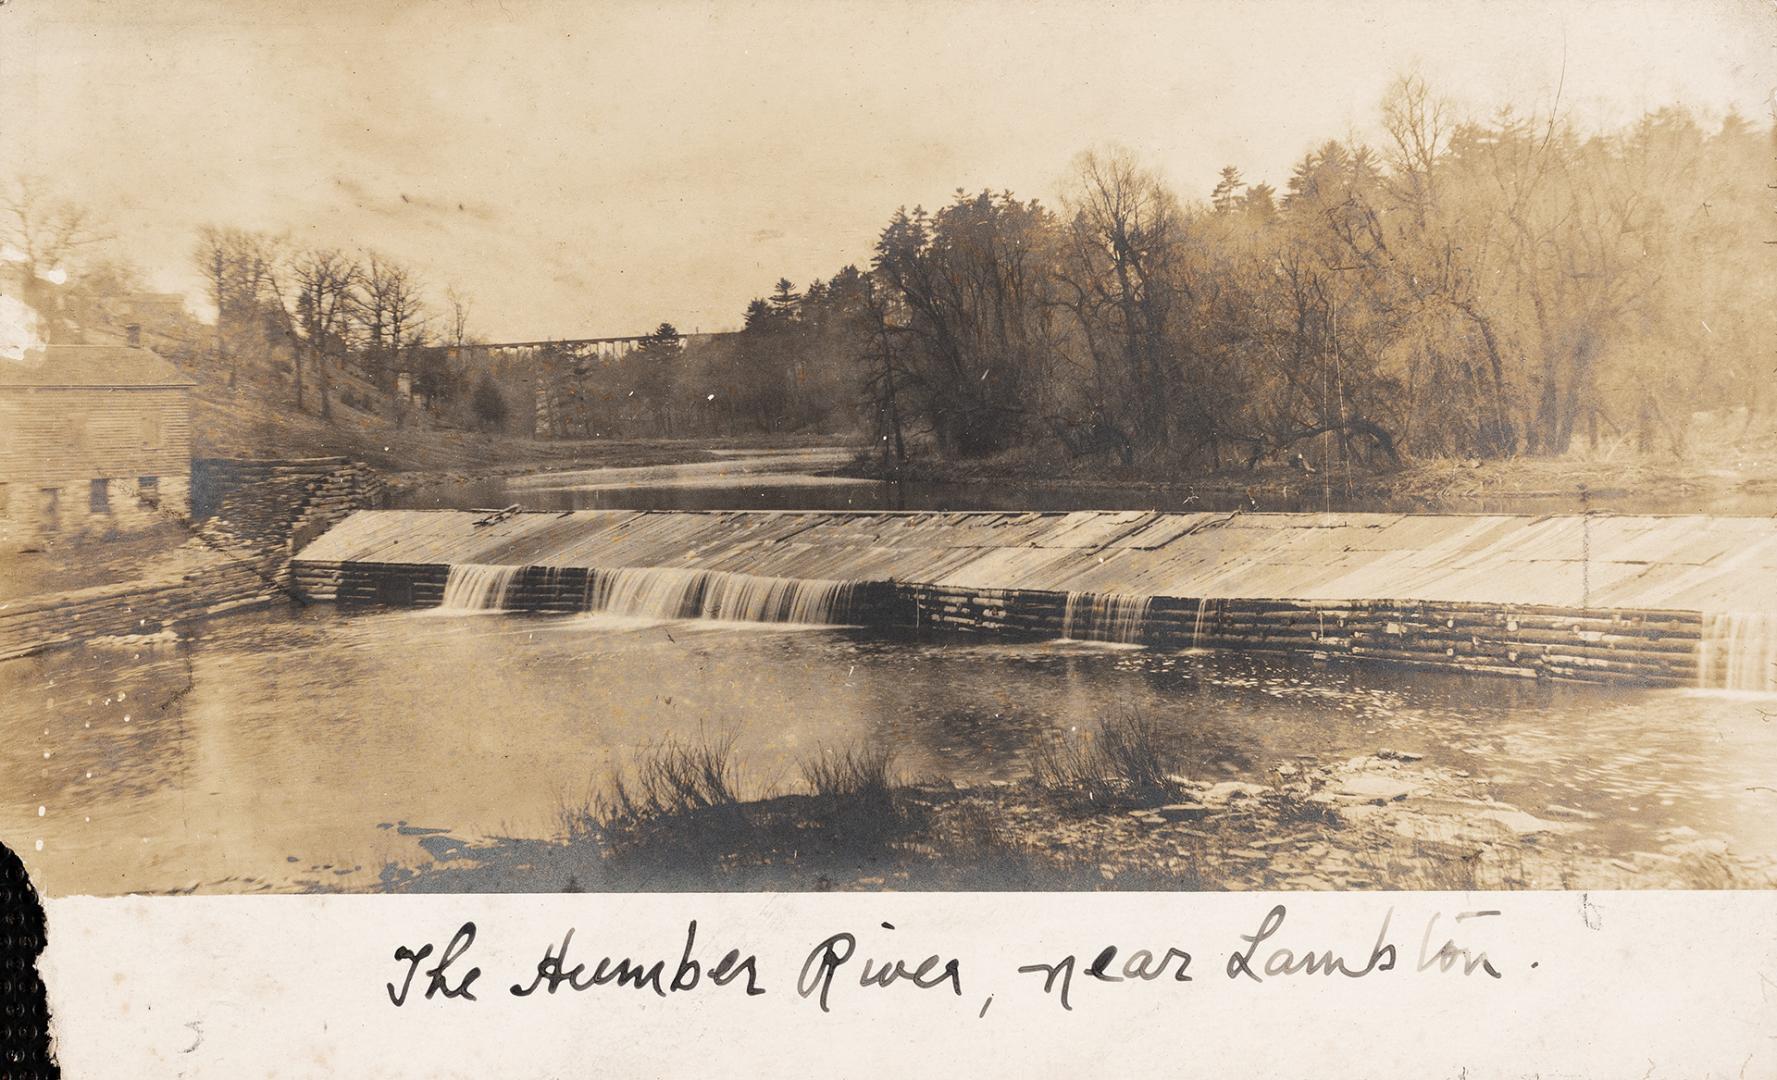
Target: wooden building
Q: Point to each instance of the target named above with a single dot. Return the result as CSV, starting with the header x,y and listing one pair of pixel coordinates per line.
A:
x,y
151,311
94,441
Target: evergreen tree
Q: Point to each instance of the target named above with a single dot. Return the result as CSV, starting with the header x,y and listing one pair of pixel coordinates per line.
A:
x,y
1227,190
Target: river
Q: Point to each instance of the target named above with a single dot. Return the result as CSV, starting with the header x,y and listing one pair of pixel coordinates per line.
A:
x,y
318,749
800,479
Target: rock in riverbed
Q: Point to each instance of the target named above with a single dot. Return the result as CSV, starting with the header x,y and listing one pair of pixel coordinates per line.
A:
x,y
1228,790
1375,788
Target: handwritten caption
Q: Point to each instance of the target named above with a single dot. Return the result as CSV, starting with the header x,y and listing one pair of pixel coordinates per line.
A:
x,y
841,965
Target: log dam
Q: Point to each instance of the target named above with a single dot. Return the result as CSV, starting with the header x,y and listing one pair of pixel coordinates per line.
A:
x,y
1654,600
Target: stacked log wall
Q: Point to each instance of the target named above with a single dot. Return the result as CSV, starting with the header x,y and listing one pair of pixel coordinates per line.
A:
x,y
1649,647
1646,647
261,512
251,487
35,624
542,589
264,511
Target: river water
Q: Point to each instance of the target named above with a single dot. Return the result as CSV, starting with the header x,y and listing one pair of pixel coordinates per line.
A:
x,y
318,749
799,480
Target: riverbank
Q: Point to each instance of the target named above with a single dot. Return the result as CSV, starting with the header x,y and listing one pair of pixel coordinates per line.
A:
x,y
1380,821
257,416
1744,471
247,426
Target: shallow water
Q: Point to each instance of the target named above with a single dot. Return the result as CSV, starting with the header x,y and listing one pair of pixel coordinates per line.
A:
x,y
313,749
799,480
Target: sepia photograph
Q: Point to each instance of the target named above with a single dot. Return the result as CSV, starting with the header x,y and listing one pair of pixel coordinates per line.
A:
x,y
542,447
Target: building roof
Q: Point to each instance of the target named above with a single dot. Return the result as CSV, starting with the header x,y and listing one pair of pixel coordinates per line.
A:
x,y
91,365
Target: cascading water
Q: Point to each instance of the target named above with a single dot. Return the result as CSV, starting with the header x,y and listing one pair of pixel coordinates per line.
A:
x,y
1738,651
677,593
1105,617
477,587
1197,624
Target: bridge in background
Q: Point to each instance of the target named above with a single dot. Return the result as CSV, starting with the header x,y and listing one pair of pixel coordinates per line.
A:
x,y
591,348
545,375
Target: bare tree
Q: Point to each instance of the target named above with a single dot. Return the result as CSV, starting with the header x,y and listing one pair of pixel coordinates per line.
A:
x,y
387,306
211,256
44,234
1419,126
880,353
1123,229
459,303
408,317
326,282
240,278
45,230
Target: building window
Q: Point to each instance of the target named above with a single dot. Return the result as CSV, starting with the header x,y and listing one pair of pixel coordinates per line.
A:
x,y
100,500
52,508
148,491
151,433
5,498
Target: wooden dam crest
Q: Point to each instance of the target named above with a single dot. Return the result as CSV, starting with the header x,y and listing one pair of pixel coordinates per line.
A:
x,y
1666,601
1692,563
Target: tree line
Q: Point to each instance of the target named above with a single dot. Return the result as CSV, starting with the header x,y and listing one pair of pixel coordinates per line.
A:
x,y
323,309
1481,288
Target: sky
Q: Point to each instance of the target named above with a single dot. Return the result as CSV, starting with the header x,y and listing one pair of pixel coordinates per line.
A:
x,y
591,169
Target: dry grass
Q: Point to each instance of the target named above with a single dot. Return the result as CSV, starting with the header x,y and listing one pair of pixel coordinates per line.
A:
x,y
671,818
669,778
1126,761
851,772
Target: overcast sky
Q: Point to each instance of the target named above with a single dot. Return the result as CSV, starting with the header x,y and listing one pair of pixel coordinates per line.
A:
x,y
591,169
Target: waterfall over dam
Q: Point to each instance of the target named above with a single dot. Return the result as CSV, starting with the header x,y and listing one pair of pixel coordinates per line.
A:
x,y
677,593
477,587
651,592
1663,600
1105,617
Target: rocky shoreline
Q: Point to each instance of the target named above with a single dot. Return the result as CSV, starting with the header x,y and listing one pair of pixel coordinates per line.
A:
x,y
1384,821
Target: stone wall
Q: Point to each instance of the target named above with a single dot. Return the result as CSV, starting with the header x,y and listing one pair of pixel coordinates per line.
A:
x,y
34,514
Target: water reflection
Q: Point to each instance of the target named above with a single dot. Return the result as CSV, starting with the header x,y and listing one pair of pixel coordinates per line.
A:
x,y
801,480
295,747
